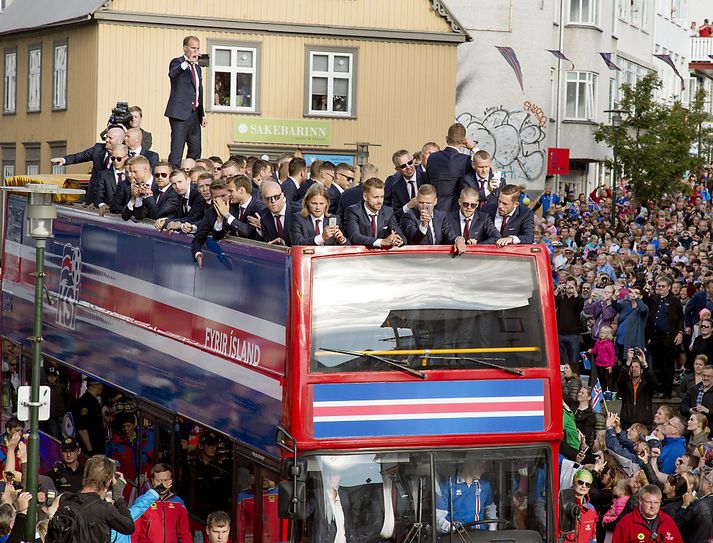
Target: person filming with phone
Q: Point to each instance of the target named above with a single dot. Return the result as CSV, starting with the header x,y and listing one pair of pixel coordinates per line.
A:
x,y
636,386
426,225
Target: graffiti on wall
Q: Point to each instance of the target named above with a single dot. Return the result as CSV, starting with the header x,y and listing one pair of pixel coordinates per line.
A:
x,y
514,138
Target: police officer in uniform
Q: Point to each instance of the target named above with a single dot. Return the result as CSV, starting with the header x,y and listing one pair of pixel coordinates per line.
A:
x,y
88,419
67,474
207,490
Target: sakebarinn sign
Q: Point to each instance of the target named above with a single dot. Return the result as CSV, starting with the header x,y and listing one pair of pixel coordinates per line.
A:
x,y
303,131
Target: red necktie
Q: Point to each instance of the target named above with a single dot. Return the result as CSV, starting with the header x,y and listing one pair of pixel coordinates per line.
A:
x,y
242,214
317,231
278,224
107,160
120,177
466,229
502,226
373,226
194,77
482,185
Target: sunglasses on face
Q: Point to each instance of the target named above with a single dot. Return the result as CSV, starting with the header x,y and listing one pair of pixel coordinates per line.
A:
x,y
161,175
584,483
406,164
118,158
469,205
274,198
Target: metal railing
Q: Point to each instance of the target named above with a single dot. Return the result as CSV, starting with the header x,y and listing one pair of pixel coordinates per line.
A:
x,y
701,49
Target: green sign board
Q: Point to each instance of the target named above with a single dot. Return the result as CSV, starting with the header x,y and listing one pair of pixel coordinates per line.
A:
x,y
296,132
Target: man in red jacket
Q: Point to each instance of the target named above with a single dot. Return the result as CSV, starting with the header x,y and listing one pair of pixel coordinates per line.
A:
x,y
647,522
166,520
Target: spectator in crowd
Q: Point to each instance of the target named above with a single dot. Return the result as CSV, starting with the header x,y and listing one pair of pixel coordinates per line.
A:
x,y
446,169
168,520
13,449
185,104
631,324
580,525
218,528
137,116
695,378
571,383
636,385
59,404
514,221
584,416
703,343
700,398
702,299
647,520
605,357
67,473
673,444
625,446
370,223
697,427
473,225
568,306
547,200
696,517
665,322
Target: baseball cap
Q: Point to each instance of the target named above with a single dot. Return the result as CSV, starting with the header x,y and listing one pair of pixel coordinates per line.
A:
x,y
52,370
69,444
209,438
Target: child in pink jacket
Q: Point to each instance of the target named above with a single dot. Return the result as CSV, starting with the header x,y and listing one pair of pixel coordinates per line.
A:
x,y
605,357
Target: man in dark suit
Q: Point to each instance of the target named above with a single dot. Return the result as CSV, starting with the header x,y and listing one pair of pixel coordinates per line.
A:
x,y
310,180
98,155
275,219
514,221
475,226
134,141
137,115
297,173
404,183
213,223
343,180
163,201
664,329
426,225
109,180
139,173
371,223
447,169
313,225
484,180
243,205
185,104
191,206
350,196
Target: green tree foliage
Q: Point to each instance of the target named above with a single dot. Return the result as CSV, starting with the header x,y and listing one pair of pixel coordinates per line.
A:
x,y
655,140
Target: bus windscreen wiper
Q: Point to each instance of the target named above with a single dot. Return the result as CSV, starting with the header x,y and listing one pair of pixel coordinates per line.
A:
x,y
482,361
390,361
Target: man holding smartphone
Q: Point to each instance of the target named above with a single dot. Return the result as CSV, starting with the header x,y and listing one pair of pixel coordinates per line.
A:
x,y
427,225
700,398
636,387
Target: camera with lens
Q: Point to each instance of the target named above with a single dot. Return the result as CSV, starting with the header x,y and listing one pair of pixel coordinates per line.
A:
x,y
204,60
120,115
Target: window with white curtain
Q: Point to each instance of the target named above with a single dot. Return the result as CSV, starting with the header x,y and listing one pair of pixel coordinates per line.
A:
x,y
34,79
581,96
10,82
583,11
59,84
331,83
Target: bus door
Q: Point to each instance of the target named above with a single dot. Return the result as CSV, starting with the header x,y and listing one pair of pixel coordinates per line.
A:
x,y
159,441
256,519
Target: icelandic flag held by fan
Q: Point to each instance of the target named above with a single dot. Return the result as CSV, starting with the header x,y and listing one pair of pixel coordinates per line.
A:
x,y
597,395
585,360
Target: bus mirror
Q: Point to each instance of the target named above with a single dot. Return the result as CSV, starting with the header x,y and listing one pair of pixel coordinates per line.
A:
x,y
291,500
294,469
285,441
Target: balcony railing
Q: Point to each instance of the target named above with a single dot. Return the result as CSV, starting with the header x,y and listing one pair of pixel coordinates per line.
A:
x,y
701,48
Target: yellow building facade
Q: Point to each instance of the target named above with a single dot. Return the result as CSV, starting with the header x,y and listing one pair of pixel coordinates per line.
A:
x,y
318,75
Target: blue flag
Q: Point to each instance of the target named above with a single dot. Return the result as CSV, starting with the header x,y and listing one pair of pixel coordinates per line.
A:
x,y
585,360
597,395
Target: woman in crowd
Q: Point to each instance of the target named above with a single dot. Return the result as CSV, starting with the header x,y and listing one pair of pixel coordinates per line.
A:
x,y
698,429
703,344
694,379
584,416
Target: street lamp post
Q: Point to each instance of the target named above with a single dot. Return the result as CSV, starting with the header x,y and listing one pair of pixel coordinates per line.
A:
x,y
41,211
616,124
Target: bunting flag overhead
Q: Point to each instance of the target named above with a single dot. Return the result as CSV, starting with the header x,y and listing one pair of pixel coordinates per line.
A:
x,y
667,59
511,58
608,62
560,55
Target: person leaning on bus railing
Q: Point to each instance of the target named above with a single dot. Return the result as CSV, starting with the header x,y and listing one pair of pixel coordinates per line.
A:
x,y
313,225
370,222
212,219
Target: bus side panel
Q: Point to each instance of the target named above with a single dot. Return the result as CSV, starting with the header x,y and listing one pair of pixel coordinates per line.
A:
x,y
131,307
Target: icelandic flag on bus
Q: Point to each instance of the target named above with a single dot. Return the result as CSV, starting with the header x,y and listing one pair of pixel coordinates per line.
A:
x,y
585,360
597,395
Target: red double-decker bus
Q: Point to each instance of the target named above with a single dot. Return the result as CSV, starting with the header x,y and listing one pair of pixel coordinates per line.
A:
x,y
415,396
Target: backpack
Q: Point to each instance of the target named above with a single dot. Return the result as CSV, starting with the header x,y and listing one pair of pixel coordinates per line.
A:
x,y
69,524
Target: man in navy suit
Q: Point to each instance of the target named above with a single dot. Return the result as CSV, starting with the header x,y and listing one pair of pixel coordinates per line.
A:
x,y
447,169
514,221
297,172
404,183
475,226
191,206
185,104
343,181
109,180
244,204
213,223
484,180
98,155
134,141
371,223
426,225
275,219
313,225
163,200
141,182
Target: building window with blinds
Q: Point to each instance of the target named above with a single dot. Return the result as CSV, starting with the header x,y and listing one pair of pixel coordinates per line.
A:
x,y
59,83
581,96
330,83
234,82
10,82
34,78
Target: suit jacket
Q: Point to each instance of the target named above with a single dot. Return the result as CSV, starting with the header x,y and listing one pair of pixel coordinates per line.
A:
x,y
180,101
105,186
446,171
481,227
243,228
151,156
351,196
335,196
290,191
267,224
322,531
137,213
304,187
521,224
443,231
357,225
121,197
400,191
196,204
302,230
160,205
205,229
95,155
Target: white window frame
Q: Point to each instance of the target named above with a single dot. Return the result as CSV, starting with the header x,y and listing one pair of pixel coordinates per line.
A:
x,y
234,70
590,18
34,79
10,82
589,79
59,80
330,75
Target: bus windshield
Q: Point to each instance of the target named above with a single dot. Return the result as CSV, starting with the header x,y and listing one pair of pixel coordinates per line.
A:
x,y
425,312
425,496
